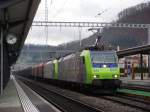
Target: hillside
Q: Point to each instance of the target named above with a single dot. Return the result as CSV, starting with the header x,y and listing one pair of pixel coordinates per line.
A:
x,y
123,37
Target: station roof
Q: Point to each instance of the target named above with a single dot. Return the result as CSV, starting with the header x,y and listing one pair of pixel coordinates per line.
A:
x,y
145,49
19,15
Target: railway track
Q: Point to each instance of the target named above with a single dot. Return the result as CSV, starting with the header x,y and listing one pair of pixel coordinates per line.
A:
x,y
129,101
63,103
68,104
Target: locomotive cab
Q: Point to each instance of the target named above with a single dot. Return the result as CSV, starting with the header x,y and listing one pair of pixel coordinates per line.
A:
x,y
105,70
101,68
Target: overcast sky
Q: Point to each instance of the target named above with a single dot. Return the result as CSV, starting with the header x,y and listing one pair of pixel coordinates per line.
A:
x,y
74,10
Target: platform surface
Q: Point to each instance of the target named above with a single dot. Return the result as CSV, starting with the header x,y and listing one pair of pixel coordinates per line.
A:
x,y
17,97
9,100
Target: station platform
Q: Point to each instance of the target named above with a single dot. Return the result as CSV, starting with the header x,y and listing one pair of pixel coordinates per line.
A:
x,y
137,87
17,97
128,80
9,100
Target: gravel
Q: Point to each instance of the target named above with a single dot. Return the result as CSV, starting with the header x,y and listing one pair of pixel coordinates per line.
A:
x,y
106,105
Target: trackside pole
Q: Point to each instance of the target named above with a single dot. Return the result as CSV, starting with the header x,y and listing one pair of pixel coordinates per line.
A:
x,y
141,63
1,32
148,55
133,73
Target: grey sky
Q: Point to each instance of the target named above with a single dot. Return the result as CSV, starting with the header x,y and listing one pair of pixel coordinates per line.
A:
x,y
75,10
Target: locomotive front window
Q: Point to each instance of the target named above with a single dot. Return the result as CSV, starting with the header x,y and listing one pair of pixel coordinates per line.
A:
x,y
103,57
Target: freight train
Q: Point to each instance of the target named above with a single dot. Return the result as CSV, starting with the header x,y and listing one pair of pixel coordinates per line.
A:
x,y
86,69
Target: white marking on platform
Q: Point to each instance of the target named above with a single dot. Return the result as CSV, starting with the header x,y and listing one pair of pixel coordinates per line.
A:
x,y
25,101
51,105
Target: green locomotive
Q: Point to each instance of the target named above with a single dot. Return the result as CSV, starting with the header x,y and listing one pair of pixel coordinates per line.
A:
x,y
87,69
92,69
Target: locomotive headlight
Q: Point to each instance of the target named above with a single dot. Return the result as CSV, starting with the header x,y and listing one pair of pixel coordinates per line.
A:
x,y
94,76
104,66
115,76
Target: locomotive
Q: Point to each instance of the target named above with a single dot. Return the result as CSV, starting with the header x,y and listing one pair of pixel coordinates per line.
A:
x,y
85,69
